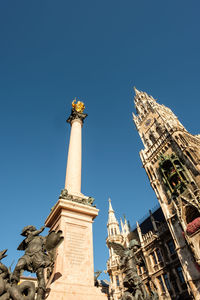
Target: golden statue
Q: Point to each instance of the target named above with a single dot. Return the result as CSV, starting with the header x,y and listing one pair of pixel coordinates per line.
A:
x,y
79,106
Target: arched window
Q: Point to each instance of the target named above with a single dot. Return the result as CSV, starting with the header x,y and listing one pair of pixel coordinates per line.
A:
x,y
149,173
183,139
190,157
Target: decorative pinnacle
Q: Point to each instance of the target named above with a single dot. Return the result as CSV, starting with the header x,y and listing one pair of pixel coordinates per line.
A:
x,y
136,91
110,205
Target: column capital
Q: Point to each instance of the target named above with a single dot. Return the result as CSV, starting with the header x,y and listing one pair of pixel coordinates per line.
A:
x,y
76,115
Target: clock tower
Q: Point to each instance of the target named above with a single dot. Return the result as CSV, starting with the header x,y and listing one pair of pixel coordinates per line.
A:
x,y
171,159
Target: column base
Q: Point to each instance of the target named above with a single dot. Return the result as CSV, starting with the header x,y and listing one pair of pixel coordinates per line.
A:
x,y
62,291
73,274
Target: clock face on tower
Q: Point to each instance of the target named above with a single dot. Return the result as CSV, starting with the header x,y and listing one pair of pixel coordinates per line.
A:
x,y
148,122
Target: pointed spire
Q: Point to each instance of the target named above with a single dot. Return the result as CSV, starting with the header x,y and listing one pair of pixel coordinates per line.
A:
x,y
111,214
138,226
122,225
112,225
139,233
126,227
137,92
110,205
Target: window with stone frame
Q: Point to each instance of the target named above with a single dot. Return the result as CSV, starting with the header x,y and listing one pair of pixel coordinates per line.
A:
x,y
159,256
154,258
180,274
161,283
171,246
167,282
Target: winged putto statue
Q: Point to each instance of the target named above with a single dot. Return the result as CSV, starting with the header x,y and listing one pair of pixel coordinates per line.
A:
x,y
134,287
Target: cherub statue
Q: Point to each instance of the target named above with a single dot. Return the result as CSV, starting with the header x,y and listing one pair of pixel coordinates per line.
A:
x,y
135,289
39,254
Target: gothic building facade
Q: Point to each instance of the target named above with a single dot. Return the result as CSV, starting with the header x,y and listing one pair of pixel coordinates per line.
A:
x,y
169,237
162,271
171,159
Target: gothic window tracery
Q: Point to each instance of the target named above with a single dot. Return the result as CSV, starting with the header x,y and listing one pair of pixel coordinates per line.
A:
x,y
190,157
183,140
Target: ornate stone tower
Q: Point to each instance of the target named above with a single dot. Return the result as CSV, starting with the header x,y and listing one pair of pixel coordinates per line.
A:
x,y
113,263
171,159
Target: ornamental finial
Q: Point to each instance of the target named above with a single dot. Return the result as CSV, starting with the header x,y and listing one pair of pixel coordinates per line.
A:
x,y
79,106
136,91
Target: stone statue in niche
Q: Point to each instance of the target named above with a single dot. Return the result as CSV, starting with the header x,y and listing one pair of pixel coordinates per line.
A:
x,y
135,289
39,254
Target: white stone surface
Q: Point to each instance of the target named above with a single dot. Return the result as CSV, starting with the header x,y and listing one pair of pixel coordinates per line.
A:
x,y
73,276
73,173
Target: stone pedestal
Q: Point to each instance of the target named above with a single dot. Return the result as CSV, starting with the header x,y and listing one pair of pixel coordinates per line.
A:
x,y
73,276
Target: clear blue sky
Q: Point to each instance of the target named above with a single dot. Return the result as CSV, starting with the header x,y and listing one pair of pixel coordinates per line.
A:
x,y
52,51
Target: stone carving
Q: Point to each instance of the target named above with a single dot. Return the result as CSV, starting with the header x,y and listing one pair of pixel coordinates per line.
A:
x,y
88,201
135,289
39,254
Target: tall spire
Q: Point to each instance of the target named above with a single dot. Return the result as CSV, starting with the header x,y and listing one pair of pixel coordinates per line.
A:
x,y
136,91
111,214
122,226
126,226
112,225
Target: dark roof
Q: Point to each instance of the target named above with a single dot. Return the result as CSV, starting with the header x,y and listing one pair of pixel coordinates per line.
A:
x,y
146,224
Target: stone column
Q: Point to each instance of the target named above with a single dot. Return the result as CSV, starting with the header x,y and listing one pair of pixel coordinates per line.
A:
x,y
74,162
73,274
